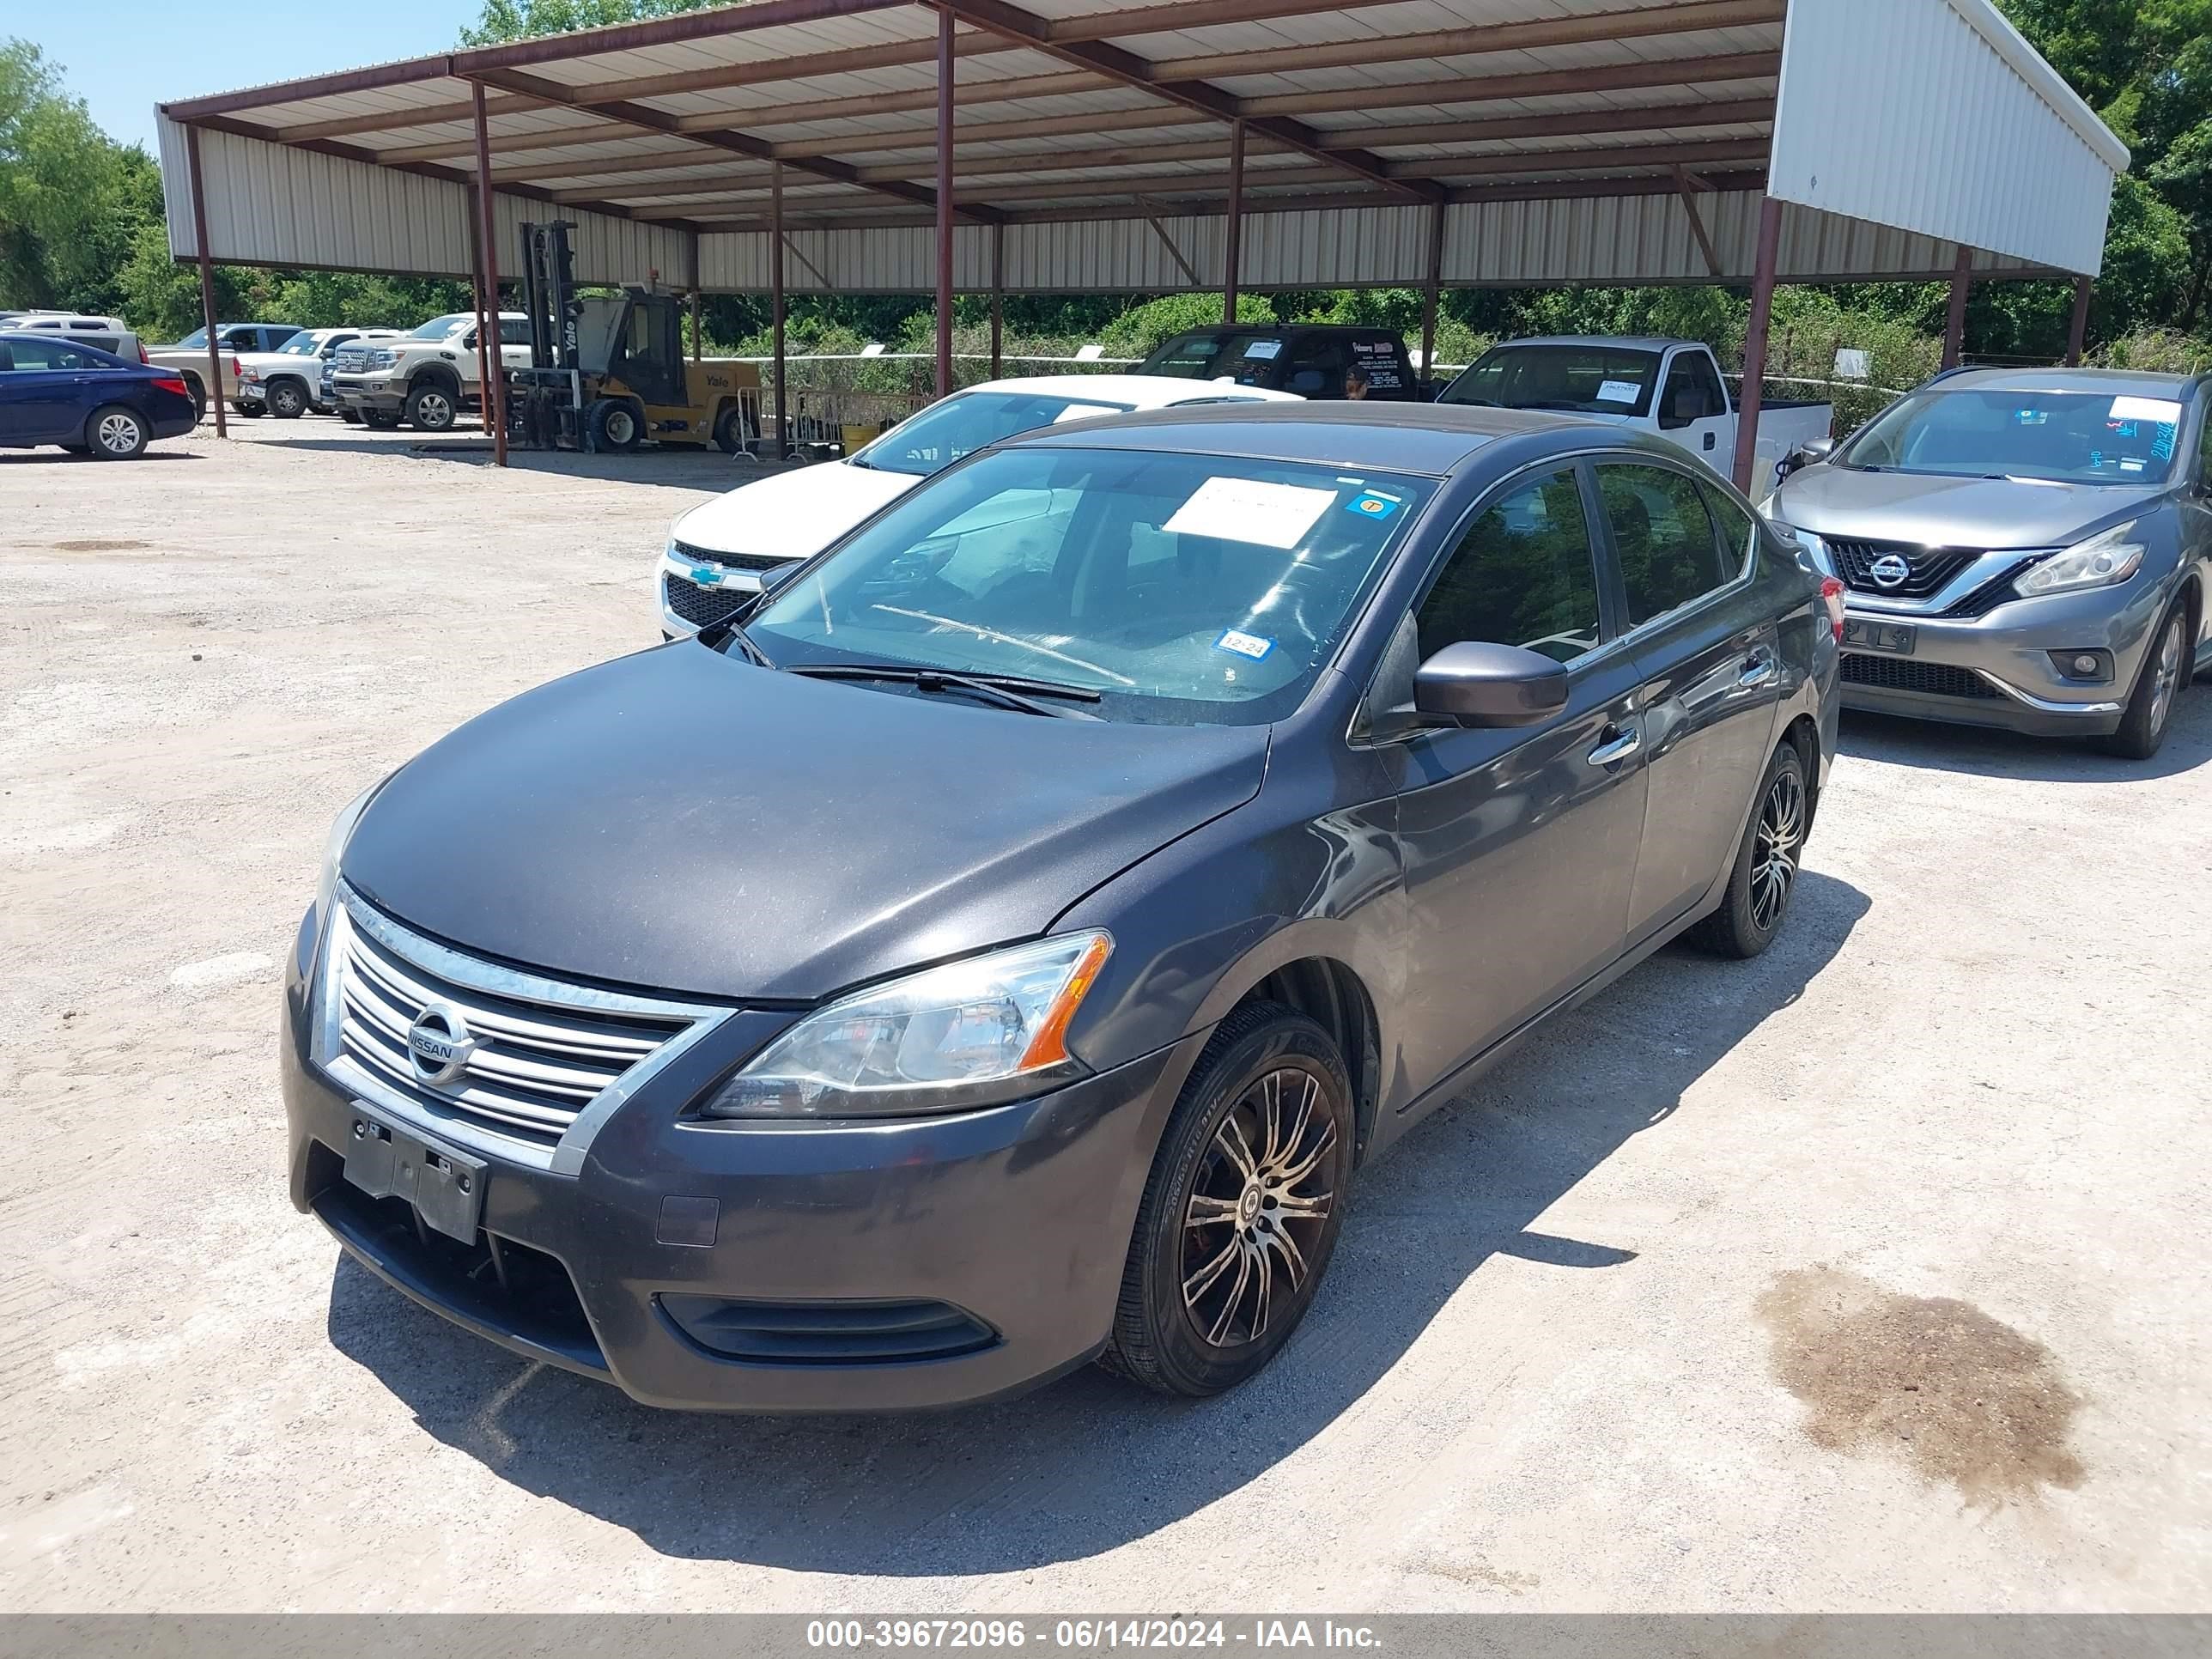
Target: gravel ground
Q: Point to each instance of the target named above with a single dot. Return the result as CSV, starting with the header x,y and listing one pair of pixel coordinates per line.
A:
x,y
1872,1275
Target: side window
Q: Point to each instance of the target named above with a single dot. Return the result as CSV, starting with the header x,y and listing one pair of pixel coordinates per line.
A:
x,y
1314,367
1693,391
1739,532
514,330
242,339
2204,447
48,354
1668,553
1523,575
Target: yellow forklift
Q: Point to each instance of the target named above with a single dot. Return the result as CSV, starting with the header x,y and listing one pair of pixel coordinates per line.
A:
x,y
607,371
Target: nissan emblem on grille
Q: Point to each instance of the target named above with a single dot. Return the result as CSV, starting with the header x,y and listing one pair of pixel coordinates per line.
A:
x,y
1890,570
440,1044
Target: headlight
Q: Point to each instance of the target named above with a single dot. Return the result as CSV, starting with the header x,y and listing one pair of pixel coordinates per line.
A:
x,y
381,359
972,1033
1815,549
341,832
250,374
2110,557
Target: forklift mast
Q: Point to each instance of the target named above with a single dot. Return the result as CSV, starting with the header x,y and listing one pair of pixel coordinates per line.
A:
x,y
548,291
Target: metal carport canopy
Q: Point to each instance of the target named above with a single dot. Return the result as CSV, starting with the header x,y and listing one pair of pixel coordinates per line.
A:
x,y
898,145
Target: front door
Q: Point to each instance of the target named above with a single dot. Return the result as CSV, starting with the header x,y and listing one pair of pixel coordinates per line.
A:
x,y
1693,411
1708,675
1518,846
44,392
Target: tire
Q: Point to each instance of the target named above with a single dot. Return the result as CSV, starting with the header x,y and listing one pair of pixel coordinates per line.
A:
x,y
249,411
114,433
2159,684
76,449
731,435
199,397
380,420
350,417
616,426
1763,877
287,401
1204,1224
431,406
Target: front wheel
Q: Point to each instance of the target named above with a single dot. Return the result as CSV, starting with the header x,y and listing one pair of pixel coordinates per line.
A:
x,y
250,411
1763,877
615,427
2150,706
431,409
350,417
286,402
1242,1208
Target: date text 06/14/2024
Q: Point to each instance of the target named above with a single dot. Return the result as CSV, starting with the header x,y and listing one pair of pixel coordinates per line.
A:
x,y
1086,1635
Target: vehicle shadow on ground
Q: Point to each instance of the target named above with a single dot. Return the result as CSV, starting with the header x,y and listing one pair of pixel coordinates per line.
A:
x,y
62,458
711,470
1976,751
1090,1463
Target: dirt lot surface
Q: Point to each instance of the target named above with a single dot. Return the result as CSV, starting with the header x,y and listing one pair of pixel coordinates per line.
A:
x,y
1871,1275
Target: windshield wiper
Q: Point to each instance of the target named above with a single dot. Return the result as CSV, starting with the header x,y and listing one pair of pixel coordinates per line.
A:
x,y
1006,690
731,629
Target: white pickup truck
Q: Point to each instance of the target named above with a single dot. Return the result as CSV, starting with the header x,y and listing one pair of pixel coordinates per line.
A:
x,y
1672,388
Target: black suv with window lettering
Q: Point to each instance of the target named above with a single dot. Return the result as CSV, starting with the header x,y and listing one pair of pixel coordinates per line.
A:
x,y
1313,360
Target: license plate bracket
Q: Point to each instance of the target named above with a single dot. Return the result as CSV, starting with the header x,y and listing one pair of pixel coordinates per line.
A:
x,y
444,1185
1899,639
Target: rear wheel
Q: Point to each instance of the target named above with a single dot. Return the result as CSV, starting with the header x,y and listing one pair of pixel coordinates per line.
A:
x,y
288,400
431,408
1242,1208
1764,878
116,434
199,397
2150,706
250,411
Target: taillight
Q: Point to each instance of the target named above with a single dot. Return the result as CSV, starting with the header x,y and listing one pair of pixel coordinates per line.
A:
x,y
1832,595
234,368
142,357
172,383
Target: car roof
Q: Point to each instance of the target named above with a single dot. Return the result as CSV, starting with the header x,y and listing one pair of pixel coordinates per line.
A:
x,y
1618,342
2116,382
1287,328
1434,439
1141,390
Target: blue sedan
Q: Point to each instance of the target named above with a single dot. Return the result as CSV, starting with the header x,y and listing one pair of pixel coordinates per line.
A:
x,y
58,391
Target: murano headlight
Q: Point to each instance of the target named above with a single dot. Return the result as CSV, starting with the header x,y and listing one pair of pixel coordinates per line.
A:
x,y
2110,556
974,1033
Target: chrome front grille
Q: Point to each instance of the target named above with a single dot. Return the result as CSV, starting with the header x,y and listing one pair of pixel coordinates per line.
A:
x,y
544,1054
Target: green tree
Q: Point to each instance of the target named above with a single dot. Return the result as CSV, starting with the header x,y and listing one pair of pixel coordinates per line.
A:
x,y
525,20
72,200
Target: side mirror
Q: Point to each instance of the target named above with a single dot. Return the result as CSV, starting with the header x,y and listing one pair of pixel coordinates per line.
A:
x,y
1476,684
1809,453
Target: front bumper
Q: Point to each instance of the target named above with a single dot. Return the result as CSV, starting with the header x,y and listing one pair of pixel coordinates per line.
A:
x,y
1019,1217
371,390
1999,670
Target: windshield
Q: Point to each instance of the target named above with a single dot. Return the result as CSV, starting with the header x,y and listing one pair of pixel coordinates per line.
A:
x,y
196,337
1243,358
2060,437
300,345
957,428
438,327
1584,380
1184,589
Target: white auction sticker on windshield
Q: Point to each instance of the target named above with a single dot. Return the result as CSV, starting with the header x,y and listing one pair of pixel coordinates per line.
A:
x,y
1263,349
2157,410
1247,510
1620,392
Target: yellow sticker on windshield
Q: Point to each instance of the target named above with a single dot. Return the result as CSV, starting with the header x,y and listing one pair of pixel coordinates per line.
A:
x,y
1248,510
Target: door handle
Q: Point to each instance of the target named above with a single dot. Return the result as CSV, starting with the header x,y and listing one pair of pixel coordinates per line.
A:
x,y
1624,741
1710,438
1758,670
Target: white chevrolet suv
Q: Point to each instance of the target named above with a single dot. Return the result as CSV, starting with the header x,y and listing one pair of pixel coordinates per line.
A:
x,y
719,551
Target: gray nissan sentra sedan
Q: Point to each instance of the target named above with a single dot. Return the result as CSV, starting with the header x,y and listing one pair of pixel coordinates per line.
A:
x,y
2027,549
1002,949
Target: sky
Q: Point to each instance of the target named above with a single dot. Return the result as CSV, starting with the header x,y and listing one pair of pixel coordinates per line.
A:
x,y
123,58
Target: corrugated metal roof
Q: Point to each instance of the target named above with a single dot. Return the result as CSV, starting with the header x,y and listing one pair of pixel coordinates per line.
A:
x,y
1088,119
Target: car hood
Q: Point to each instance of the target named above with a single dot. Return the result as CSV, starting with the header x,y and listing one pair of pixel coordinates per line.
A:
x,y
792,515
1943,512
682,821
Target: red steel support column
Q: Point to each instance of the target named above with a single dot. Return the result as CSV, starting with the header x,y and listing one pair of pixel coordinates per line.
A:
x,y
206,281
778,446
1754,343
2077,333
1955,326
997,293
1429,292
945,202
491,395
485,326
1234,247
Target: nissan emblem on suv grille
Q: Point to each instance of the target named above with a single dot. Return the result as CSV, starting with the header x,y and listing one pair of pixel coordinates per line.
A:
x,y
1890,570
440,1044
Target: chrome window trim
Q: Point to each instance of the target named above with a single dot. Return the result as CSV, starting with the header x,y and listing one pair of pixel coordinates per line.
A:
x,y
349,911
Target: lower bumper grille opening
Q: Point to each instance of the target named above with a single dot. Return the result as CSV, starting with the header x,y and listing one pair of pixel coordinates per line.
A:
x,y
1934,679
519,1292
828,1333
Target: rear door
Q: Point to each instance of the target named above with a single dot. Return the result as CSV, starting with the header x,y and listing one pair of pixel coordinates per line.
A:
x,y
1390,371
1693,409
1709,678
1518,846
